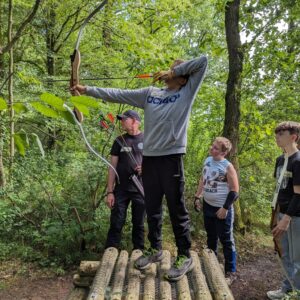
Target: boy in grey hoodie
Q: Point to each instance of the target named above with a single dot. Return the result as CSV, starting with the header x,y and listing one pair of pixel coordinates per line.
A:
x,y
166,115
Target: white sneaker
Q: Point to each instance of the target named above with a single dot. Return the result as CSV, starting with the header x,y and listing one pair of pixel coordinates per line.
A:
x,y
276,295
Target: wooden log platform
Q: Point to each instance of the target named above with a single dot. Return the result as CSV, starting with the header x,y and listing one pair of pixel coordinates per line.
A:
x,y
114,277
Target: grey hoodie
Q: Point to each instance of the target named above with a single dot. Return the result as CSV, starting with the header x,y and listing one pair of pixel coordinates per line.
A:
x,y
166,112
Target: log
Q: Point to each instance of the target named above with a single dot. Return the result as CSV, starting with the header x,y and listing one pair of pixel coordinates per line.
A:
x,y
77,294
88,268
183,289
149,283
82,281
200,286
134,280
120,273
218,286
103,275
165,291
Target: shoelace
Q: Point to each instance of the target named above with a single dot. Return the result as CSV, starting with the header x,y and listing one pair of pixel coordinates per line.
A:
x,y
179,261
149,252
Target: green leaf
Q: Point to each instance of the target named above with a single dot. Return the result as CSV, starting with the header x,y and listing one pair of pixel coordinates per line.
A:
x,y
85,100
45,110
38,141
19,107
67,116
53,100
82,108
21,143
3,104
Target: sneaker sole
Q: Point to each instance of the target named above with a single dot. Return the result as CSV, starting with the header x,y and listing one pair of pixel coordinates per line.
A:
x,y
191,267
142,268
148,265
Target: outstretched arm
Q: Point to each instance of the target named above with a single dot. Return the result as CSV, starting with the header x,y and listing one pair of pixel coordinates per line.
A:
x,y
135,98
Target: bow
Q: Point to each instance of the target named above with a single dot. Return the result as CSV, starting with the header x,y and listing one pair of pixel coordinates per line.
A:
x,y
75,57
88,144
75,63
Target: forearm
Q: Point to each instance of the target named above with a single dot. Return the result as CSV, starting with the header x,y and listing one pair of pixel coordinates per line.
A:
x,y
111,174
111,180
233,185
132,97
231,198
191,66
200,188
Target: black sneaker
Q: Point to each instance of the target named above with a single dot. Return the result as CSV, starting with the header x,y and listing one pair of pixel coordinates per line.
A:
x,y
149,256
181,266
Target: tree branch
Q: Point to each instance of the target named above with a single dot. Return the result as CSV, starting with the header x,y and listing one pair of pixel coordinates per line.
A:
x,y
21,28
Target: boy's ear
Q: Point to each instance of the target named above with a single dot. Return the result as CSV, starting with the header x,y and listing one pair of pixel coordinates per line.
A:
x,y
295,137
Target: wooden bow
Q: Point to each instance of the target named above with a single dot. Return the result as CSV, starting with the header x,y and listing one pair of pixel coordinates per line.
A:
x,y
75,58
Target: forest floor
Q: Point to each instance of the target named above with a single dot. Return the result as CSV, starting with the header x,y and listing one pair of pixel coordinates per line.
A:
x,y
258,272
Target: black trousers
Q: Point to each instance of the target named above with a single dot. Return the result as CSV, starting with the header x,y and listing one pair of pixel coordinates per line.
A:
x,y
164,175
118,218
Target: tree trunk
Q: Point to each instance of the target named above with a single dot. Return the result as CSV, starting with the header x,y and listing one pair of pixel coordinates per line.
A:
x,y
10,86
233,92
106,31
50,44
50,40
2,173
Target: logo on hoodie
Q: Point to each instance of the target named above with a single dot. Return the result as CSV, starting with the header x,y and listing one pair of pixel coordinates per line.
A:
x,y
158,100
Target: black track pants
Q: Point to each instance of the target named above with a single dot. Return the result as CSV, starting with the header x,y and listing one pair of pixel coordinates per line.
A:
x,y
164,175
118,218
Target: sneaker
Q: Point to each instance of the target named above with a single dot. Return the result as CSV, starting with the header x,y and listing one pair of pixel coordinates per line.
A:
x,y
181,266
276,295
149,256
230,277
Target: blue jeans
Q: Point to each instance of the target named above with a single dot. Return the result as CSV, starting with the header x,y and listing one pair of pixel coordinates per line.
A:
x,y
220,229
290,244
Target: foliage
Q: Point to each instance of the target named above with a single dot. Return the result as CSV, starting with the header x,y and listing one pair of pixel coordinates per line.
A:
x,y
53,175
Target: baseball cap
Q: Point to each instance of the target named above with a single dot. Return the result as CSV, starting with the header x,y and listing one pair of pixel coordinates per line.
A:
x,y
129,114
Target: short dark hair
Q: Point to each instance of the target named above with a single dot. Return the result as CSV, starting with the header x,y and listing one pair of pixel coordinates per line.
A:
x,y
290,126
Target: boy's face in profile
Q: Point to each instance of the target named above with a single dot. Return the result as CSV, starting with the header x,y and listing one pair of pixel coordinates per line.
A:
x,y
284,138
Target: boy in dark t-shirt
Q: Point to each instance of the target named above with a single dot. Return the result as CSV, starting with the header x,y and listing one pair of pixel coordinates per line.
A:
x,y
288,226
126,157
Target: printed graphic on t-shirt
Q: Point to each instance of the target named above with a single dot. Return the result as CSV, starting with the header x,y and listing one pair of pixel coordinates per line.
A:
x,y
285,179
212,176
126,149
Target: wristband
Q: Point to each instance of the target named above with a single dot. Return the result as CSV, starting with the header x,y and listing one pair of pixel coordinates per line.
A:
x,y
294,206
231,197
107,193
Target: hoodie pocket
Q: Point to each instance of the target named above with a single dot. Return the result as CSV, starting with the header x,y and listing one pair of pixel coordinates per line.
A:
x,y
161,135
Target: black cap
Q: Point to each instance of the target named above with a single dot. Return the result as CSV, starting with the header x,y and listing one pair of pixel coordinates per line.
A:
x,y
129,114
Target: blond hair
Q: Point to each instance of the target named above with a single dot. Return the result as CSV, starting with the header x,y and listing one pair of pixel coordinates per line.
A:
x,y
225,144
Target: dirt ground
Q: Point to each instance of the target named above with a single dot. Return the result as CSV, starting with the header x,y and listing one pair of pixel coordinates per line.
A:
x,y
258,272
257,275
